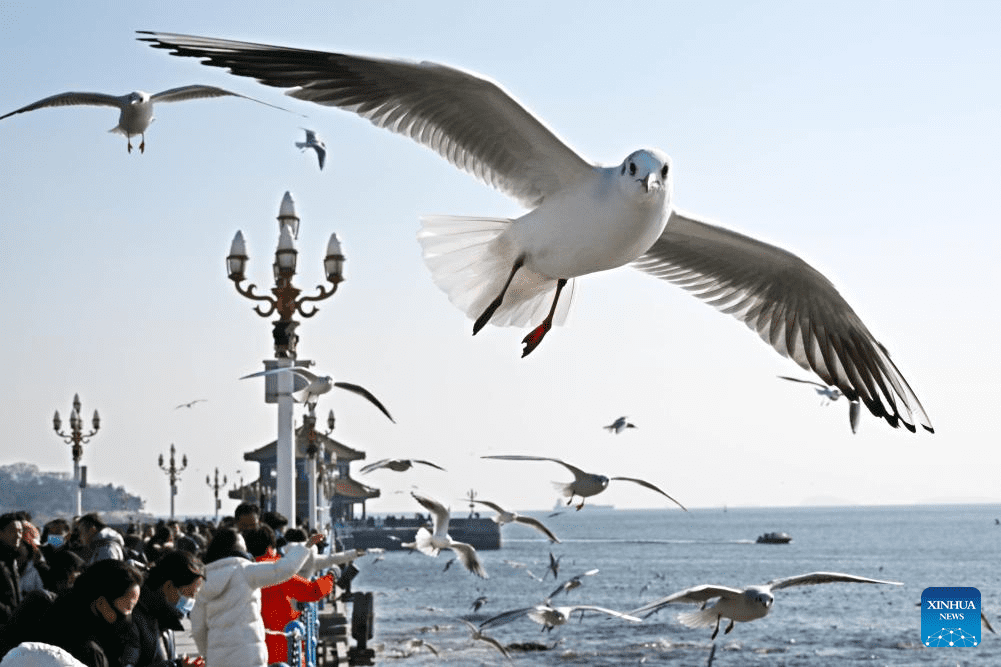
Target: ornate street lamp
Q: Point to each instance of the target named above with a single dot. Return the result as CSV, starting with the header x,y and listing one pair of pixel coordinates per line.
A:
x,y
173,473
215,488
78,439
286,300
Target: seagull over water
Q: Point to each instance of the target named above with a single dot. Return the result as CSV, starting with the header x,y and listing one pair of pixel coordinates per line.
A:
x,y
319,385
504,516
747,604
572,583
431,543
585,484
314,142
582,217
136,108
549,616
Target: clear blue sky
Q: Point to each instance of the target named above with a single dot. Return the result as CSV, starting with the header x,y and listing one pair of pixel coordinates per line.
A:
x,y
862,136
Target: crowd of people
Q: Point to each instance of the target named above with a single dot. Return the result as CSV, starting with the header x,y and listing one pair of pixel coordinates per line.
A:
x,y
84,593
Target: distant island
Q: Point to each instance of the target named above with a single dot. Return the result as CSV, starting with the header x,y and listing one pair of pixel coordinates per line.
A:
x,y
51,494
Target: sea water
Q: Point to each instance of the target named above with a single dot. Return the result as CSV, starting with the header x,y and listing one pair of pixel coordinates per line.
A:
x,y
643,555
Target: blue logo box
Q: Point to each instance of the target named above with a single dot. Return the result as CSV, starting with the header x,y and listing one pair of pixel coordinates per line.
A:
x,y
950,617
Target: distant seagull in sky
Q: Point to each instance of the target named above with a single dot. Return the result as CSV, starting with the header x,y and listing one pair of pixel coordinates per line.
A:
x,y
582,218
319,385
549,616
136,108
191,404
585,484
431,543
397,465
314,142
747,604
572,583
504,516
478,635
619,425
830,395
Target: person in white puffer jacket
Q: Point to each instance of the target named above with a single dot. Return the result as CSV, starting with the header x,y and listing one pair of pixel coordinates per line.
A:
x,y
226,620
36,654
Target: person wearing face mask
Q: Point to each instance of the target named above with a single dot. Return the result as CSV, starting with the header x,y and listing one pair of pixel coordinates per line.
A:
x,y
167,596
93,621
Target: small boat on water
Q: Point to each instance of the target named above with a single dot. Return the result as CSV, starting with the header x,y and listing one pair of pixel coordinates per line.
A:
x,y
774,538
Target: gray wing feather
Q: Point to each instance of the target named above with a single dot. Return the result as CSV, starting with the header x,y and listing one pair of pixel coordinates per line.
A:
x,y
652,487
791,305
72,99
470,121
693,595
824,578
198,91
369,396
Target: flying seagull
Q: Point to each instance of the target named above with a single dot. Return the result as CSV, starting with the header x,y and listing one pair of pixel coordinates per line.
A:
x,y
136,108
554,566
477,634
431,543
191,404
398,465
572,583
549,616
585,484
742,605
314,142
319,385
619,425
504,516
830,395
582,218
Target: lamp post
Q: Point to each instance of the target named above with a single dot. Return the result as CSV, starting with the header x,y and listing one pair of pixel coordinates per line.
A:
x,y
286,301
78,439
215,488
315,468
174,473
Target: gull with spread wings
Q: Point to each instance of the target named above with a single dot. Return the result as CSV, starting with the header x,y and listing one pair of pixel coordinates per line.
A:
x,y
585,484
549,616
504,516
135,108
397,465
582,217
318,385
741,604
431,543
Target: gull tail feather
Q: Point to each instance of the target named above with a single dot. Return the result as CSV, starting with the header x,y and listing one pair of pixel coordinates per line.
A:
x,y
703,618
565,488
470,259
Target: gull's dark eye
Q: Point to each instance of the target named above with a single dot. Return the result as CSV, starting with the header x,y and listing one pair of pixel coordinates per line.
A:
x,y
632,168
663,171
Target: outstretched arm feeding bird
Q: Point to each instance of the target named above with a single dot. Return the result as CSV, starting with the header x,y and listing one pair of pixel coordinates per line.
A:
x,y
582,217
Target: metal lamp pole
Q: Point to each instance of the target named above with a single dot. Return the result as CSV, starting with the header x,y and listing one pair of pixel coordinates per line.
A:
x,y
286,301
78,439
174,473
215,488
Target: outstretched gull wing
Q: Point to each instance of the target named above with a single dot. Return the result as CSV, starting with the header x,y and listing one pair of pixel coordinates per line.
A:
x,y
651,487
791,305
72,99
469,120
198,91
693,595
824,578
369,396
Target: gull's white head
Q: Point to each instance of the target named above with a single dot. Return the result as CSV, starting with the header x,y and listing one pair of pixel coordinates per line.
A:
x,y
138,97
648,173
760,596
